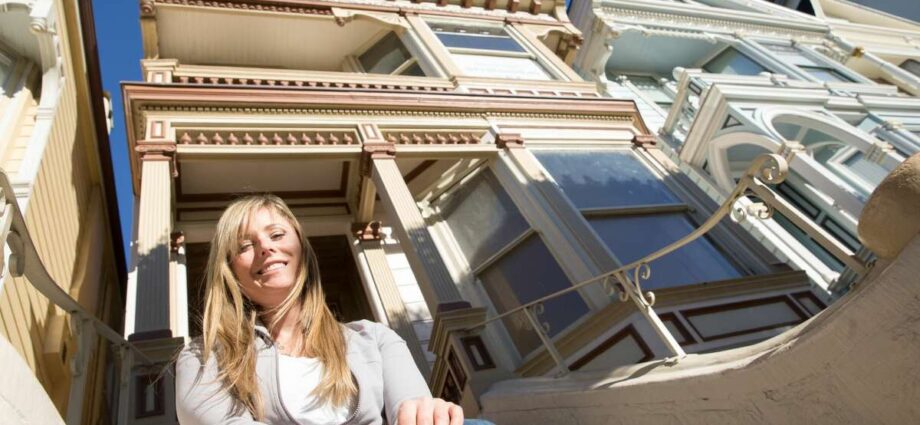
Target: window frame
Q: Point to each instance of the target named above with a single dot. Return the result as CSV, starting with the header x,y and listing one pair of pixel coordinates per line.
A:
x,y
444,235
686,206
507,30
354,61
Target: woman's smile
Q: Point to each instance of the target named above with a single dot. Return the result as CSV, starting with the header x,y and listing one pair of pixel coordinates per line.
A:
x,y
268,258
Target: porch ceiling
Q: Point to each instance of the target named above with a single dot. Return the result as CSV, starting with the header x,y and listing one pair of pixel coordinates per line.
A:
x,y
209,36
223,179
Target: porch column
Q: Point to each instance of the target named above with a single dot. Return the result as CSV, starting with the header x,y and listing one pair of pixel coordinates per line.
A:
x,y
152,287
383,281
435,281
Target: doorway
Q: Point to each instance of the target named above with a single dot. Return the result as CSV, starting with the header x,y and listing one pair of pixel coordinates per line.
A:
x,y
345,294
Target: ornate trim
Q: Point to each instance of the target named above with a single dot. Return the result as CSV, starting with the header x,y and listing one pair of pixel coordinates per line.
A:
x,y
509,141
176,240
159,150
235,81
645,141
148,9
260,6
304,137
375,150
369,231
431,138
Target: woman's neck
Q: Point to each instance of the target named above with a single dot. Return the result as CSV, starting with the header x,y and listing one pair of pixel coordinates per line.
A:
x,y
286,331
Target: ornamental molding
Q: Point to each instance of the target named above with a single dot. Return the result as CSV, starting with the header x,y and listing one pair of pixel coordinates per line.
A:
x,y
375,150
509,141
323,7
387,113
403,137
366,232
694,24
261,6
301,137
158,150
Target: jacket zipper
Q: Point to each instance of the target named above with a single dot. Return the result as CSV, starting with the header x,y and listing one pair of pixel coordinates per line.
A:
x,y
290,417
278,384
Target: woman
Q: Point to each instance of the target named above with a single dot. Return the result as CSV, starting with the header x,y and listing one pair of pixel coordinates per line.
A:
x,y
271,350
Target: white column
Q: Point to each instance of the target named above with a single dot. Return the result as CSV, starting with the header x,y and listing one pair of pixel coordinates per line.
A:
x,y
154,225
411,229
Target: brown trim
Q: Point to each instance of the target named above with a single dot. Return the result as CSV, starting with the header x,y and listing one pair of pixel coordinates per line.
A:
x,y
417,171
742,305
454,363
103,146
686,338
628,331
811,296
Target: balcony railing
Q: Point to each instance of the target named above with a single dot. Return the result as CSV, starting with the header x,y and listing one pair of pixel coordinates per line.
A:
x,y
627,279
24,260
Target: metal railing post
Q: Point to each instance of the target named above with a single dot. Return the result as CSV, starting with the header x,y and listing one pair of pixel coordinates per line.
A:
x,y
561,367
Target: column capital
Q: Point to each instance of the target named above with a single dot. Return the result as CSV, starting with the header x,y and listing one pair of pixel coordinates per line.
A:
x,y
366,232
375,150
176,240
158,150
509,141
148,9
645,141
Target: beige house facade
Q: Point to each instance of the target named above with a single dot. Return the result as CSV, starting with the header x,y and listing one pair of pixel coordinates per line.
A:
x,y
63,266
526,197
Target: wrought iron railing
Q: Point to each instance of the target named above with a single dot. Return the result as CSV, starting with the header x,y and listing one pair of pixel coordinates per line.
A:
x,y
627,279
24,260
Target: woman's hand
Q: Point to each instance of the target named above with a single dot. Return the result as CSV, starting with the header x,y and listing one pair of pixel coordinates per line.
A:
x,y
429,411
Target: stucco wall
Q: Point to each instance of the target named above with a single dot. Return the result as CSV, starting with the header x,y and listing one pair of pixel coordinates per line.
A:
x,y
854,363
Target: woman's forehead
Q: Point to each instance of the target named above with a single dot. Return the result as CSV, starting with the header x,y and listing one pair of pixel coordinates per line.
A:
x,y
261,219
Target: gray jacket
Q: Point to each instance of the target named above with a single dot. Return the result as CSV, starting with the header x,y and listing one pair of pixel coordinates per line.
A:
x,y
379,360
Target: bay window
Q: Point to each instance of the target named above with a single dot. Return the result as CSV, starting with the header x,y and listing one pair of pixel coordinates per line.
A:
x,y
634,213
509,258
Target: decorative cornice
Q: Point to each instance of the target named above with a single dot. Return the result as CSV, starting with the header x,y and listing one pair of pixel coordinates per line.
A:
x,y
304,137
268,82
263,6
431,138
509,141
369,231
375,150
678,22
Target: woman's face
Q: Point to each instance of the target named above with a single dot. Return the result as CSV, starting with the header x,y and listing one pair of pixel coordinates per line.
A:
x,y
269,258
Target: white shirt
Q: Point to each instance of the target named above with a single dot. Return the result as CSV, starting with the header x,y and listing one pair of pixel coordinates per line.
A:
x,y
298,377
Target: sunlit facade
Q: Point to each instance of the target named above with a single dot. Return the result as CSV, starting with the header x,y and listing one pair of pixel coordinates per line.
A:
x,y
458,161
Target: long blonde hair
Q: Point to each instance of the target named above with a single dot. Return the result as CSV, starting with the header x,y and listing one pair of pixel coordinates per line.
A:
x,y
229,317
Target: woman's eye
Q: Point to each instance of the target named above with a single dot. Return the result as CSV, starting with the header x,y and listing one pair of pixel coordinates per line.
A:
x,y
277,235
245,246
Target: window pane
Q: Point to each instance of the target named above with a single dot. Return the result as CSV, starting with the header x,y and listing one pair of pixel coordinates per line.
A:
x,y
482,217
500,67
826,74
502,43
385,56
633,237
414,70
526,273
604,179
731,61
870,172
912,66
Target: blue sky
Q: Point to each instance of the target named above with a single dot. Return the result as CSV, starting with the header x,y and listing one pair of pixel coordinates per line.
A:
x,y
119,37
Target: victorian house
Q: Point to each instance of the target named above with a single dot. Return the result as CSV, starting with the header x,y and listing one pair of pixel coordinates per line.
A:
x,y
530,201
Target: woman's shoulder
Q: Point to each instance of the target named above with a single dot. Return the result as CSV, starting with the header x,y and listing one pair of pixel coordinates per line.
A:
x,y
370,331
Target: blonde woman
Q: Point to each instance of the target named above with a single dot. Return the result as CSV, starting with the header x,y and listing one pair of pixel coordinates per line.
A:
x,y
271,350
